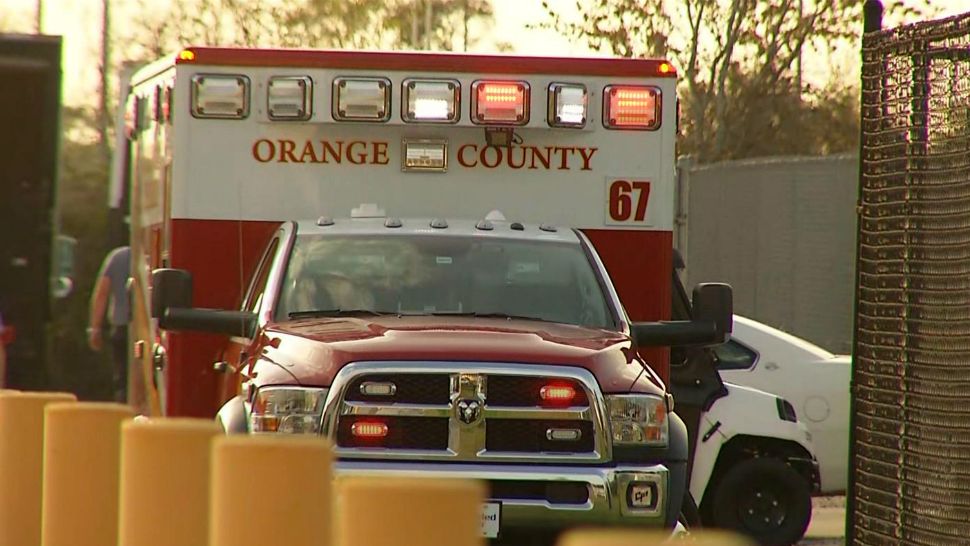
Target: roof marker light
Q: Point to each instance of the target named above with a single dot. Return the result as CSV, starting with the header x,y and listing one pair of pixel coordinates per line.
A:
x,y
186,55
369,429
567,105
361,99
631,107
500,102
666,68
430,101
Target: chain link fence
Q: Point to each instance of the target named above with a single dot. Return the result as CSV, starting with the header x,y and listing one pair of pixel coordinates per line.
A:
x,y
910,479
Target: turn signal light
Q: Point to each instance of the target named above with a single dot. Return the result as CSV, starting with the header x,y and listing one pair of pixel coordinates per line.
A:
x,y
369,429
557,394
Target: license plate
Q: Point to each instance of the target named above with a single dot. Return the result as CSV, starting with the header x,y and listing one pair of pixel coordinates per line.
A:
x,y
491,519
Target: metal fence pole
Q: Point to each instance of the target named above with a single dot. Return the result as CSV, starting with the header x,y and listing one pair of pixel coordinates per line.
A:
x,y
872,22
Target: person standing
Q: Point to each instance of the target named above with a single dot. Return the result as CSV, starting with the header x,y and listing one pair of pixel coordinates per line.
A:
x,y
110,297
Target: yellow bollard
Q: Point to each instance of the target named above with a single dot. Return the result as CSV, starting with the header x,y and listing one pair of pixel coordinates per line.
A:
x,y
165,482
81,460
634,537
408,511
271,490
21,464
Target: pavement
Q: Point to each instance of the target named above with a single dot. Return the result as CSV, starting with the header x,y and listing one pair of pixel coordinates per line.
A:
x,y
827,527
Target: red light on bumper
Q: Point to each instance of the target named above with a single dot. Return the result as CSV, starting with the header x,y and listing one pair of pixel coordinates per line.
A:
x,y
369,429
557,394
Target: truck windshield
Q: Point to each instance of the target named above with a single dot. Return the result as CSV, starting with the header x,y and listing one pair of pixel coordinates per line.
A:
x,y
452,274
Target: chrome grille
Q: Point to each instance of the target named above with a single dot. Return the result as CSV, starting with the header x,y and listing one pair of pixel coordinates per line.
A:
x,y
468,412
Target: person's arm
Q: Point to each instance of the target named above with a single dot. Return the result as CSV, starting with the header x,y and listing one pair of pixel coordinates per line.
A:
x,y
99,302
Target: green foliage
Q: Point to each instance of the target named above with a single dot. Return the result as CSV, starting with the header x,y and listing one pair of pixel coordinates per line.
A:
x,y
82,197
359,24
741,62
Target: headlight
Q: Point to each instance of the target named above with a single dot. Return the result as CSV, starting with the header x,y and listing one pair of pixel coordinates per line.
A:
x,y
291,410
638,419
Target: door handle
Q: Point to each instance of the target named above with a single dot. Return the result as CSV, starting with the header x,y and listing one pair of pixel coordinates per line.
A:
x,y
771,366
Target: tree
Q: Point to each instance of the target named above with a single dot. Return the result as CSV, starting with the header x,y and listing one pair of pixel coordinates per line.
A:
x,y
742,87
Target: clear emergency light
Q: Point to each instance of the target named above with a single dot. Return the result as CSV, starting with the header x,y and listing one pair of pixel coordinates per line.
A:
x,y
220,96
361,99
500,102
567,105
289,98
430,101
631,107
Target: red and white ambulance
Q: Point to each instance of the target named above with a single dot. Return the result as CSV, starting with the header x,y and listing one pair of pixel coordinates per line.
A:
x,y
496,232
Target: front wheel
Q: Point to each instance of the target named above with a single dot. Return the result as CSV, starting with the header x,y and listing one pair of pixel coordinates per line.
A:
x,y
765,499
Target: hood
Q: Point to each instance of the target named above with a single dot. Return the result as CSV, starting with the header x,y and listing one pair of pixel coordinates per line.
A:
x,y
314,350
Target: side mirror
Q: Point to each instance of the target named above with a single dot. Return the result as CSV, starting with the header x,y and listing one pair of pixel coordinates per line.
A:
x,y
172,306
714,302
171,288
712,322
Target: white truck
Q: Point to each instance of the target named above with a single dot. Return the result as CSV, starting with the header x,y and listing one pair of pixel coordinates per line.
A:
x,y
425,334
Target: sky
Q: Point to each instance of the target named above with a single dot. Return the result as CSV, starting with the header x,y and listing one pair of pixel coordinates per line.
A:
x,y
78,21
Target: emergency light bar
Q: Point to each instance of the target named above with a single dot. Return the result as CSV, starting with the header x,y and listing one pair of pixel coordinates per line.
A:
x,y
430,101
500,102
220,96
567,105
361,99
289,97
631,107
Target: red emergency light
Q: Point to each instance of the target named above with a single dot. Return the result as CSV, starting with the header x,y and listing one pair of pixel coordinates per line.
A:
x,y
631,107
555,394
369,430
500,102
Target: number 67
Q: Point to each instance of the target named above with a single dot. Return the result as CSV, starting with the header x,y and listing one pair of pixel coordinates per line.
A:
x,y
621,200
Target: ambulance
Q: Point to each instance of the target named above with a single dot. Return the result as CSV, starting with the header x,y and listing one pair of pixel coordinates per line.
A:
x,y
450,265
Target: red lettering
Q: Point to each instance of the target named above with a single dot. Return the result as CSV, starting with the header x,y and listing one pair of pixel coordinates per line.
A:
x,y
287,147
542,159
308,151
461,156
564,157
336,154
484,154
587,156
357,158
643,196
269,146
380,153
511,153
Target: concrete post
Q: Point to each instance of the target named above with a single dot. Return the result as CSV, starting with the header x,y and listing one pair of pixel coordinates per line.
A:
x,y
408,511
165,482
81,459
291,478
21,464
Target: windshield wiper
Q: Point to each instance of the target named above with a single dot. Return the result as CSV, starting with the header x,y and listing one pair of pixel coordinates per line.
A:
x,y
334,313
486,315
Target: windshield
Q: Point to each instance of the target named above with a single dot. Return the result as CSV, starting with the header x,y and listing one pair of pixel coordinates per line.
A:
x,y
416,274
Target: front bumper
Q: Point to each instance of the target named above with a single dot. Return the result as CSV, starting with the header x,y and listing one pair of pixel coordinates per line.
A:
x,y
609,491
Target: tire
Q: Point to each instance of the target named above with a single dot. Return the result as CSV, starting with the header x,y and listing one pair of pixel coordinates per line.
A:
x,y
765,499
689,517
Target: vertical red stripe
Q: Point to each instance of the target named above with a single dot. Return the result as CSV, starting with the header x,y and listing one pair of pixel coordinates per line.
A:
x,y
210,250
640,263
